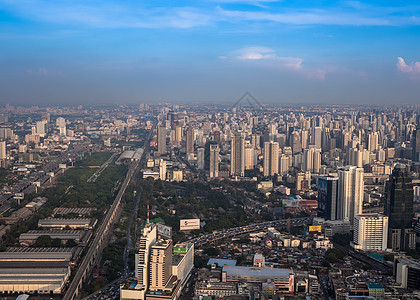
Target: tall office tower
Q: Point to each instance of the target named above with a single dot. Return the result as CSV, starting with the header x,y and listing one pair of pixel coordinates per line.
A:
x,y
399,209
373,139
6,133
305,138
271,158
350,192
296,142
255,141
148,238
160,263
2,149
176,134
249,157
60,122
189,147
416,144
346,140
237,155
46,117
303,181
207,154
214,161
162,169
308,155
200,158
370,232
161,139
316,137
40,128
328,203
316,161
216,135
284,164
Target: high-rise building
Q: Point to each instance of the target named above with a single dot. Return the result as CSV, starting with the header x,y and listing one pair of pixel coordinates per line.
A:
x,y
249,157
2,149
200,158
370,232
162,169
296,142
316,137
373,141
189,147
142,261
407,273
271,158
214,161
350,193
399,209
160,263
161,139
328,197
237,155
284,164
416,144
60,122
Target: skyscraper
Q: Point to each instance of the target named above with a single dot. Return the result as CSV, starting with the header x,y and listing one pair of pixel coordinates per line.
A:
x,y
161,139
237,155
328,197
350,193
416,144
373,141
2,149
189,148
214,160
160,263
316,137
399,209
147,239
370,232
271,158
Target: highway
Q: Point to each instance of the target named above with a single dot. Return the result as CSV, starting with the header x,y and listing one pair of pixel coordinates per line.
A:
x,y
231,232
101,233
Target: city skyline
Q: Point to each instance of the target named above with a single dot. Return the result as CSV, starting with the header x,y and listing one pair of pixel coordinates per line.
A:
x,y
211,51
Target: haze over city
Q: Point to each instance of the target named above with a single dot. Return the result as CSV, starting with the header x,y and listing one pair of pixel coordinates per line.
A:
x,y
332,52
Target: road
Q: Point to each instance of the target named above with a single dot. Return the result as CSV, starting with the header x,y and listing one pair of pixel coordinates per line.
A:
x,y
231,232
101,169
131,176
96,247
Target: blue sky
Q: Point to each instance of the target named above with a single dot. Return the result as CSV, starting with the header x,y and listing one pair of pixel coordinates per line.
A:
x,y
212,51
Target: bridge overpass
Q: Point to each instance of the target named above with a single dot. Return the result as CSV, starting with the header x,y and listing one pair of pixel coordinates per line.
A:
x,y
101,235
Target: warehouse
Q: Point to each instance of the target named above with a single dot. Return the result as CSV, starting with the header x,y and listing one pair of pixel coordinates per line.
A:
x,y
79,236
34,270
74,223
282,278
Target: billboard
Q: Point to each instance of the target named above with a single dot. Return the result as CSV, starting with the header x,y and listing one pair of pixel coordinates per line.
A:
x,y
180,250
189,224
315,228
164,230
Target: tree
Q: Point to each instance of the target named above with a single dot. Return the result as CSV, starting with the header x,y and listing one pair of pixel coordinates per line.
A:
x,y
71,243
56,243
43,241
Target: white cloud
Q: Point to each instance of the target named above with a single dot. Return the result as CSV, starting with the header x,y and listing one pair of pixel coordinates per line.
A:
x,y
268,54
413,68
268,58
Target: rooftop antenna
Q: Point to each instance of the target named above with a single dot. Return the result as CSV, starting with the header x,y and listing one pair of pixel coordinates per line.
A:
x,y
148,216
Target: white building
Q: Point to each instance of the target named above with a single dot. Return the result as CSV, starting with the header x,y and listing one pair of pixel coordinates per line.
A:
x,y
350,193
370,232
